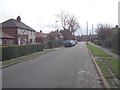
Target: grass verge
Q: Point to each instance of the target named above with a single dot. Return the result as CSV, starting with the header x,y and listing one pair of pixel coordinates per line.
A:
x,y
106,62
24,58
97,52
113,63
104,69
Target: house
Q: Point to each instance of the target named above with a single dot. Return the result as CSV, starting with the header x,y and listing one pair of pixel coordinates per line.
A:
x,y
84,37
88,37
40,37
58,35
22,33
93,37
78,38
5,39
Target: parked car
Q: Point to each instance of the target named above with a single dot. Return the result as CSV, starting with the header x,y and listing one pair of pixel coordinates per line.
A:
x,y
73,42
68,43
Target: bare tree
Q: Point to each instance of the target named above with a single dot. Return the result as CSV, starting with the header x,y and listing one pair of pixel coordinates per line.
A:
x,y
104,33
69,23
73,24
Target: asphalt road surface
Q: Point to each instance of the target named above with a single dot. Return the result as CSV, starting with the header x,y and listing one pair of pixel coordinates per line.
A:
x,y
70,67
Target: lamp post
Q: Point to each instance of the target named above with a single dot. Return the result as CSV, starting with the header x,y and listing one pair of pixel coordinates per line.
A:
x,y
56,25
87,33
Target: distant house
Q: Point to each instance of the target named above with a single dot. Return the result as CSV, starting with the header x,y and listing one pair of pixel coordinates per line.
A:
x,y
58,35
40,37
93,37
22,33
5,39
84,37
78,38
88,37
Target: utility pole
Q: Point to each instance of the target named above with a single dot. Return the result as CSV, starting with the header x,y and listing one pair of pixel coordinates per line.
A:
x,y
87,32
92,29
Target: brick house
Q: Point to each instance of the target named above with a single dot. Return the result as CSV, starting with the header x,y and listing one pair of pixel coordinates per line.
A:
x,y
85,37
22,33
40,37
88,37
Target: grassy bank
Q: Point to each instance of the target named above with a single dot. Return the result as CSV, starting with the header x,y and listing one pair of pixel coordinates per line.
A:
x,y
24,58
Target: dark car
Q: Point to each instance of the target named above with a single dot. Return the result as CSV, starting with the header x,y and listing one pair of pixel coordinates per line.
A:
x,y
68,43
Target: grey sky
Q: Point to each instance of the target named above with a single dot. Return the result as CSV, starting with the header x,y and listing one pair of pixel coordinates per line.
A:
x,y
40,14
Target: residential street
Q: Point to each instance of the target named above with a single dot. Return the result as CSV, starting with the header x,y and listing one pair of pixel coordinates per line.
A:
x,y
70,67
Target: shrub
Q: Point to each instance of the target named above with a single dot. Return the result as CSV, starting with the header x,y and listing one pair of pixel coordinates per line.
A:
x,y
9,52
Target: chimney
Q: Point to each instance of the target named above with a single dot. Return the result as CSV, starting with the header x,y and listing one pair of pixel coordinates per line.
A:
x,y
116,26
40,31
19,19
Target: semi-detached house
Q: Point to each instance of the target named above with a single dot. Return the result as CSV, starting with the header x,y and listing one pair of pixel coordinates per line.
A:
x,y
22,33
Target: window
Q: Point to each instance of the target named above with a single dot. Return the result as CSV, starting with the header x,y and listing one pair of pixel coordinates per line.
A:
x,y
23,31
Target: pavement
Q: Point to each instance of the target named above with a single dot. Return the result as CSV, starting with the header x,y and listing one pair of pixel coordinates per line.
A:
x,y
70,67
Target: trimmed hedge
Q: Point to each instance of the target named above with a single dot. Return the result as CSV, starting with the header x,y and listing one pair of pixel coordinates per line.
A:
x,y
9,52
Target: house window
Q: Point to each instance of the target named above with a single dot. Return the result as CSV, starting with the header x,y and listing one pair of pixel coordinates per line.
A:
x,y
5,42
23,31
31,32
24,41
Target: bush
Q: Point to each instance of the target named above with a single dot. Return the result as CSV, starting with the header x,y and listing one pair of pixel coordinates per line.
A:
x,y
54,43
9,52
115,42
50,43
97,42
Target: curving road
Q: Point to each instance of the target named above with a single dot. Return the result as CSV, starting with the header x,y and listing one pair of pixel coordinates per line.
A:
x,y
64,68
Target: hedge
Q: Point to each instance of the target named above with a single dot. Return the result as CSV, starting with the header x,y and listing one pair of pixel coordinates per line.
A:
x,y
9,52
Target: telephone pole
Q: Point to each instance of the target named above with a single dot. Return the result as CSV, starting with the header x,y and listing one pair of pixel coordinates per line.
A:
x,y
92,29
87,33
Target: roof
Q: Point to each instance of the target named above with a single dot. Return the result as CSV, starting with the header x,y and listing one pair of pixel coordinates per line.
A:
x,y
5,36
12,23
40,35
58,33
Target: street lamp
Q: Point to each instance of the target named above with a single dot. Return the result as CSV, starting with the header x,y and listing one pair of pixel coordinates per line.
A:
x,y
56,24
87,33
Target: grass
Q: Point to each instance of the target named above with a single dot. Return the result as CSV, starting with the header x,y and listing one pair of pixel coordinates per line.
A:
x,y
104,69
111,62
26,57
97,51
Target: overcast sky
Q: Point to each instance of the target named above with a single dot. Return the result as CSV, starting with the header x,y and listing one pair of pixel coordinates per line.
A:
x,y
41,14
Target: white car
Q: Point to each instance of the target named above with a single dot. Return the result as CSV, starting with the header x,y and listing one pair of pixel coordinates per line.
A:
x,y
73,42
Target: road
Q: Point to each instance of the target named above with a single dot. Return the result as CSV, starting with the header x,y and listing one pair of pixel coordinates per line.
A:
x,y
70,67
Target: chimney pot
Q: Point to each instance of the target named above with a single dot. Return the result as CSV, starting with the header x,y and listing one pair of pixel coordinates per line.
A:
x,y
19,19
41,31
